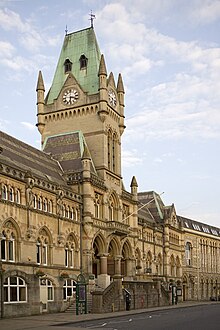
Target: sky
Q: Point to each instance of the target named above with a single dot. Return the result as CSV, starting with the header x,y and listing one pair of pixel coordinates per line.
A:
x,y
168,53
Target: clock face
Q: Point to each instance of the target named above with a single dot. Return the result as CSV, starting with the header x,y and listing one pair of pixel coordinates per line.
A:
x,y
70,96
112,98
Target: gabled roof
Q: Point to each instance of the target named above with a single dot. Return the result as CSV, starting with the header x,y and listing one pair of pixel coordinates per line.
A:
x,y
154,205
22,156
75,44
68,149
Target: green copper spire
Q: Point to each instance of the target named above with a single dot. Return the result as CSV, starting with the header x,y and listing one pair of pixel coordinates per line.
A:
x,y
78,45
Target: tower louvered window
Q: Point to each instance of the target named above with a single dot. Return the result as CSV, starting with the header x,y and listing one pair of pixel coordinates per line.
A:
x,y
67,66
83,62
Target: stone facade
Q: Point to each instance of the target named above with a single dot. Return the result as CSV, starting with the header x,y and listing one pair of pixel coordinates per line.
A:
x,y
64,210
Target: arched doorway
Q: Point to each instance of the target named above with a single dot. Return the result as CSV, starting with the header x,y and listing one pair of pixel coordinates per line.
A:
x,y
126,259
113,261
98,251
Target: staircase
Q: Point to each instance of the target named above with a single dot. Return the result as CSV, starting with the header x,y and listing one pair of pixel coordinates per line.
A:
x,y
72,307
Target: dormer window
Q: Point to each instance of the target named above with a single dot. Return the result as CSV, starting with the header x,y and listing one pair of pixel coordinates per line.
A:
x,y
83,62
67,65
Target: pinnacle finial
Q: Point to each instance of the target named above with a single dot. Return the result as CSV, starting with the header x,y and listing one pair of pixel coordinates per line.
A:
x,y
40,82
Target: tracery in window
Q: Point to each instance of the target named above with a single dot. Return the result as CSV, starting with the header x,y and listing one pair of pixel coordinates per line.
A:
x,y
98,205
8,243
69,251
113,213
42,252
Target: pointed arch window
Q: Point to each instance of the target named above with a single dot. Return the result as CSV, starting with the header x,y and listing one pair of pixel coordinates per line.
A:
x,y
39,203
83,62
7,247
45,204
113,214
98,206
11,194
18,196
3,246
35,201
109,150
114,153
69,252
11,251
71,213
42,252
77,215
4,192
188,254
149,262
50,206
67,66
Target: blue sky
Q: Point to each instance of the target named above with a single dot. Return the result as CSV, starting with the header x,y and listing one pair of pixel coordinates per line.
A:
x,y
169,55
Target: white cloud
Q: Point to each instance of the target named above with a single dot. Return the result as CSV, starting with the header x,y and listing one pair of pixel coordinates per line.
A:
x,y
29,126
206,11
130,158
6,49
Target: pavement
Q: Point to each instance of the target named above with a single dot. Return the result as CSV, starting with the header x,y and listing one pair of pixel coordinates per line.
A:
x,y
57,321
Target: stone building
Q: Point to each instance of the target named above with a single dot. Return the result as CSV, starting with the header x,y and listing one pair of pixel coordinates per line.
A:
x,y
64,210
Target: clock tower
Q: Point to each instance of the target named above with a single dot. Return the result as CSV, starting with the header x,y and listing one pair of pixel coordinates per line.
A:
x,y
84,97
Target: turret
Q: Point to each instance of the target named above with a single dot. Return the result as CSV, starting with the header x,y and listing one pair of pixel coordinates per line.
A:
x,y
86,162
40,103
134,187
103,111
121,92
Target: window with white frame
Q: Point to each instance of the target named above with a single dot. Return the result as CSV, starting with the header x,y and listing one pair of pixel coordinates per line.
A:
x,y
7,247
15,290
18,196
11,194
39,203
4,192
50,288
3,246
69,252
42,255
35,201
69,289
188,254
50,206
45,204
